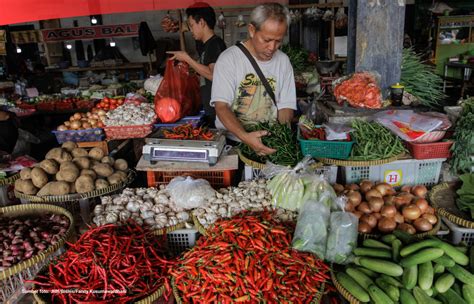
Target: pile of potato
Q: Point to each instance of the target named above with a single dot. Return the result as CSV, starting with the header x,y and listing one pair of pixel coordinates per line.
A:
x,y
70,169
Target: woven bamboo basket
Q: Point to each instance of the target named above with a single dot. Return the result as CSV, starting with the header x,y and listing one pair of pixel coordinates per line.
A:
x,y
13,278
199,227
10,180
178,300
443,199
249,162
354,163
346,294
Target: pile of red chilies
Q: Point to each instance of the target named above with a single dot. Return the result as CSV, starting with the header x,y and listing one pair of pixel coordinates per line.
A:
x,y
109,259
248,259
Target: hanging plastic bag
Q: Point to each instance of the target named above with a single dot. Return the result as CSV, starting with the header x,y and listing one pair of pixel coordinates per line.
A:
x,y
342,237
341,18
189,193
178,94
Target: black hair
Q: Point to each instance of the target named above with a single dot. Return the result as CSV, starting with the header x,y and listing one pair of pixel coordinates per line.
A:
x,y
39,67
202,10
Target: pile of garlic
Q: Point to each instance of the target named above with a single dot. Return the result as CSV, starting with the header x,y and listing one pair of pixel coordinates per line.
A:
x,y
147,206
130,114
249,195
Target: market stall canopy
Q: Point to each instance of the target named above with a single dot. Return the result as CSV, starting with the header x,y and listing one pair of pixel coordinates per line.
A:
x,y
32,10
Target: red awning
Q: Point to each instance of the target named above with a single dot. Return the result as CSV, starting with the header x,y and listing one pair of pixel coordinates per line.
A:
x,y
17,11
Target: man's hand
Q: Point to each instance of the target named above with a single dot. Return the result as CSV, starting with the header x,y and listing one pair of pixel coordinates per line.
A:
x,y
253,140
181,56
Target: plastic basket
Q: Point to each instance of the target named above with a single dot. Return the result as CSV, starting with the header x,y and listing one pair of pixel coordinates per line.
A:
x,y
397,173
430,150
181,240
217,179
325,148
96,134
194,120
125,132
459,234
329,172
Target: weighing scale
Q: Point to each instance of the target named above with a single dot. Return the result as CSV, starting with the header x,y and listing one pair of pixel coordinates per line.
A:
x,y
157,148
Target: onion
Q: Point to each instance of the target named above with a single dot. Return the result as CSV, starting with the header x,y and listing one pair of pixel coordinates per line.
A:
x,y
384,189
433,219
101,112
369,219
399,218
357,213
372,193
86,125
411,212
430,210
62,128
405,188
95,116
67,123
349,207
76,125
72,118
364,207
364,227
419,191
376,204
77,116
402,199
388,211
422,204
407,228
365,186
422,225
377,215
387,224
355,198
388,200
338,188
354,187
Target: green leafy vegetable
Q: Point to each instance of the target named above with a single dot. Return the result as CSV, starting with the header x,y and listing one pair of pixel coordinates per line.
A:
x,y
465,201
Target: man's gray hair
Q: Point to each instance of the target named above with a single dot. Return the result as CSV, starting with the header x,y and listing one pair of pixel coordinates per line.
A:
x,y
266,11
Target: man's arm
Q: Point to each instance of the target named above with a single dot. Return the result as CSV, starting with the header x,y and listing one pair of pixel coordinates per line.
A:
x,y
203,70
285,116
232,124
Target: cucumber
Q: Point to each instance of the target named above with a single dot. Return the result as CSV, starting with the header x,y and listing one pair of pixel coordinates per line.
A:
x,y
375,244
369,273
407,250
422,297
355,289
405,237
471,259
391,280
462,274
463,249
392,291
373,252
443,298
468,293
449,249
406,297
361,278
389,238
378,296
457,288
454,297
445,261
422,256
425,275
396,245
410,276
438,268
429,292
444,282
380,266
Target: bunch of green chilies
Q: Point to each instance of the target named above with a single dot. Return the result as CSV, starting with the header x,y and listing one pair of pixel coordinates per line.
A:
x,y
248,258
109,258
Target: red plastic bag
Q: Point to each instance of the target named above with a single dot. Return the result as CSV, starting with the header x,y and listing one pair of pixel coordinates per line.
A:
x,y
178,94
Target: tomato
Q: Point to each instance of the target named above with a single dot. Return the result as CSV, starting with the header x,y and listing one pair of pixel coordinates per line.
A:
x,y
113,101
120,102
113,107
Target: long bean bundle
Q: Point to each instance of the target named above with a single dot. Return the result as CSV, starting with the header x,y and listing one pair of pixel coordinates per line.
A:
x,y
281,138
373,142
463,147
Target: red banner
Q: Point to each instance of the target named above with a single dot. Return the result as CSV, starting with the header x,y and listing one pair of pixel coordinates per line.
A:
x,y
16,11
90,32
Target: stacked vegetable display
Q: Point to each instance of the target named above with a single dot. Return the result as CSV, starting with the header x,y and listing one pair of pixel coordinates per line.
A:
x,y
248,258
83,121
124,263
389,271
463,147
381,209
70,169
23,237
131,114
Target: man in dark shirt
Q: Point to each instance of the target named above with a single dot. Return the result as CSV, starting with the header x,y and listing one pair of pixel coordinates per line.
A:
x,y
201,22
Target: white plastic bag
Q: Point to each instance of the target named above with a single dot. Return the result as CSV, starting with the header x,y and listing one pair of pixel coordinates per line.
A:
x,y
336,131
189,193
342,237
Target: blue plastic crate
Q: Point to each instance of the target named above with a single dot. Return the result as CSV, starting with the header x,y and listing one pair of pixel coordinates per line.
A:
x,y
195,120
96,134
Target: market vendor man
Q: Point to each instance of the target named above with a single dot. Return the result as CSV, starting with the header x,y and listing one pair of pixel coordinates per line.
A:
x,y
238,94
201,22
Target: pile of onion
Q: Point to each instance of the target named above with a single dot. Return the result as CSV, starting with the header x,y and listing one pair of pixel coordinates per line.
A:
x,y
382,209
82,121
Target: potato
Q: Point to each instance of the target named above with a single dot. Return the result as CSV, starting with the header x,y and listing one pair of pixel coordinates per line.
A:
x,y
69,146
82,162
121,164
89,172
69,174
108,160
101,184
54,153
96,153
84,184
103,170
54,188
39,177
49,166
79,152
25,186
68,165
117,177
65,156
25,173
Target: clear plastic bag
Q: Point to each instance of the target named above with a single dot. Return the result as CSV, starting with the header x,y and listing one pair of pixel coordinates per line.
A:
x,y
342,237
311,230
337,131
189,193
